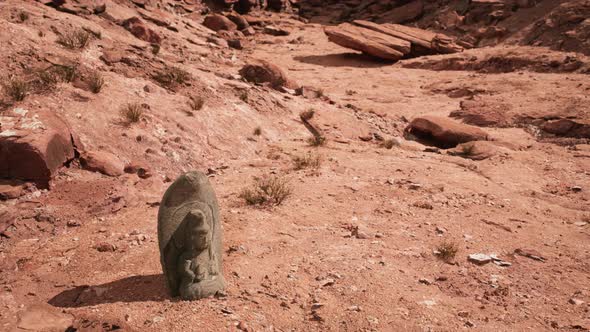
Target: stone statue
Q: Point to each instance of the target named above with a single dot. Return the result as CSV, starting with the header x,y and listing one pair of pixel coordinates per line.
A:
x,y
189,234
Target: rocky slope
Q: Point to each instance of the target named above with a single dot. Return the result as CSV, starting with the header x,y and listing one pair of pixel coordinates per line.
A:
x,y
442,192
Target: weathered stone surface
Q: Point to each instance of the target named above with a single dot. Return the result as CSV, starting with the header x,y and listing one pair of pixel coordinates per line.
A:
x,y
11,189
102,162
189,236
443,132
404,13
261,72
390,41
33,145
141,31
275,31
218,22
367,41
238,20
43,318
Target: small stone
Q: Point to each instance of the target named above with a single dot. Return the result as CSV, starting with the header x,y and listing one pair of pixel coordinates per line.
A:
x,y
327,282
424,281
440,230
463,314
575,301
243,326
479,259
414,186
354,308
441,278
74,223
576,189
469,324
105,247
316,305
580,223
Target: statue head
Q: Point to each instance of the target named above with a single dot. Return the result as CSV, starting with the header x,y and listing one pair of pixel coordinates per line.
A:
x,y
198,232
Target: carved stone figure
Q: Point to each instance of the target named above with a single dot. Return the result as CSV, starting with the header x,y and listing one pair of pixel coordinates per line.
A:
x,y
189,234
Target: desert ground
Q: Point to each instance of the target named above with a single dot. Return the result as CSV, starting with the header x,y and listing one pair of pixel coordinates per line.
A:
x,y
383,225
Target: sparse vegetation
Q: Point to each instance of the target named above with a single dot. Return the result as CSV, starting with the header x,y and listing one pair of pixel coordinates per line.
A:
x,y
316,141
257,131
132,113
196,103
389,143
309,161
306,115
67,73
170,77
350,92
15,88
155,49
271,190
75,39
244,96
446,251
95,82
467,149
23,16
319,93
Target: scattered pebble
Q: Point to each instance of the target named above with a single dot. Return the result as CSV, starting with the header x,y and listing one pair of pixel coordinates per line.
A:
x,y
479,259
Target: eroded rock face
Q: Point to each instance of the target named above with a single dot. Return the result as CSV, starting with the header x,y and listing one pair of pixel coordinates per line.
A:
x,y
190,235
261,72
443,132
34,145
141,31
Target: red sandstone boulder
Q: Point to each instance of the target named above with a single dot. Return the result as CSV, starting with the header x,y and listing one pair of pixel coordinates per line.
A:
x,y
34,145
261,72
141,31
218,22
443,132
102,162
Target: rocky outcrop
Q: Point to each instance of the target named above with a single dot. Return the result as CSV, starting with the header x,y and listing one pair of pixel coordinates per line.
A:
x,y
141,31
264,72
218,22
390,41
442,132
34,145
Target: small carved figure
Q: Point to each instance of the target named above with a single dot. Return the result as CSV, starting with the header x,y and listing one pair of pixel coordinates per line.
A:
x,y
189,234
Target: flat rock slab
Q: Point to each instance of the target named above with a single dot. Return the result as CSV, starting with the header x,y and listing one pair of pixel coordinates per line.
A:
x,y
479,259
443,132
390,41
43,318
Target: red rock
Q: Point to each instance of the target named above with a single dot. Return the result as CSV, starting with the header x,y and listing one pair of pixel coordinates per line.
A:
x,y
238,20
218,22
367,41
141,171
102,162
141,31
11,189
443,132
44,318
261,71
405,13
105,247
34,145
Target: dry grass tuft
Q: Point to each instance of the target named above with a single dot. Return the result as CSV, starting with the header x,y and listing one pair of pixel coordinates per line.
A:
x,y
257,131
271,190
316,141
196,103
15,88
75,39
467,149
446,251
307,115
66,73
132,113
23,16
170,77
95,82
389,143
244,96
311,161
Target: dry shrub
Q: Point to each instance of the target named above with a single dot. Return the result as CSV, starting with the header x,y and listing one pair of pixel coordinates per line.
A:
x,y
196,103
311,161
389,143
244,96
270,190
75,39
170,77
446,251
95,82
132,113
257,131
15,88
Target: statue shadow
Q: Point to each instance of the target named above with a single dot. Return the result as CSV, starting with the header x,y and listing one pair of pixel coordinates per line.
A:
x,y
126,290
357,60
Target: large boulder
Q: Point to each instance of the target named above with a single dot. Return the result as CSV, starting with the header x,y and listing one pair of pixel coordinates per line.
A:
x,y
44,318
141,31
264,72
443,132
218,22
34,145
